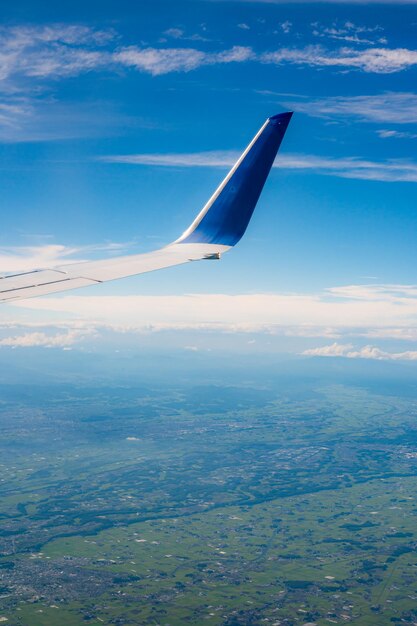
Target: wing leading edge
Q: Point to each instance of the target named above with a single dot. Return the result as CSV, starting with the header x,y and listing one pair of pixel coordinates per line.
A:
x,y
218,227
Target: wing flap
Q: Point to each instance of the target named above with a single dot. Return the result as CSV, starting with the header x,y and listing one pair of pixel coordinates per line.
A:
x,y
30,279
32,291
120,267
42,282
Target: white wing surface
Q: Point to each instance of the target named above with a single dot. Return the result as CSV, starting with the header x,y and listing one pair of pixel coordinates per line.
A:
x,y
217,228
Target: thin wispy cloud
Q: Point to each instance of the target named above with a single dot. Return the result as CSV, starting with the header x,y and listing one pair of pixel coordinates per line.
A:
x,y
286,27
27,258
350,32
157,61
58,51
400,170
382,293
390,107
224,158
40,117
34,58
55,50
385,133
12,111
393,170
371,60
179,33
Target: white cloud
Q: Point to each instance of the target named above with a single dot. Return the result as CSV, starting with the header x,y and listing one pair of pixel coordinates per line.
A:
x,y
161,61
175,33
373,60
404,334
12,110
59,50
39,117
27,258
35,55
157,61
224,158
307,330
352,307
386,133
334,349
286,26
41,339
28,56
55,50
31,57
33,257
237,54
366,352
343,314
382,293
391,107
395,170
350,32
178,33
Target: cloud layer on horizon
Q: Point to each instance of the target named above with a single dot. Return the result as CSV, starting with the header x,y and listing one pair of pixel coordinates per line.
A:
x,y
372,307
39,339
386,313
366,352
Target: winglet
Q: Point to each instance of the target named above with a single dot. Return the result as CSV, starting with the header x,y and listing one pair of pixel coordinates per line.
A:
x,y
226,215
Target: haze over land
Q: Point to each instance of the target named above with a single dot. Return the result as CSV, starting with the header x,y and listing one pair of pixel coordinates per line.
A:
x,y
144,491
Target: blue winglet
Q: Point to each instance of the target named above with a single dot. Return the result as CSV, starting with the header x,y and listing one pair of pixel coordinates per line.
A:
x,y
226,216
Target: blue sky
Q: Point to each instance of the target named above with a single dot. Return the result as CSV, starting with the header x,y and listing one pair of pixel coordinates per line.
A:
x,y
117,121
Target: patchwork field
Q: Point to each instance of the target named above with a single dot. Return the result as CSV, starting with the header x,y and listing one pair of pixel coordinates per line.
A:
x,y
226,505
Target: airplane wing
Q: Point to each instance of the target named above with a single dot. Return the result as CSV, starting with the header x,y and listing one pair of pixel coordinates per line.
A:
x,y
217,228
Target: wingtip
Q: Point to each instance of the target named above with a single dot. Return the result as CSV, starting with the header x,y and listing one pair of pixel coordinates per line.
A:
x,y
281,118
